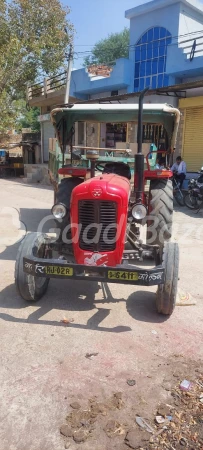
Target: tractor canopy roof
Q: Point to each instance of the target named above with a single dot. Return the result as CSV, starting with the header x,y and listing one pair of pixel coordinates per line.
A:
x,y
64,117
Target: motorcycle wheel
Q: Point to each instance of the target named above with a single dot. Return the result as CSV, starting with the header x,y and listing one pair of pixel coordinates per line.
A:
x,y
191,202
179,197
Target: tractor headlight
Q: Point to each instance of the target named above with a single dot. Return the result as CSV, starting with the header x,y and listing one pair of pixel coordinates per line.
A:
x,y
139,212
59,211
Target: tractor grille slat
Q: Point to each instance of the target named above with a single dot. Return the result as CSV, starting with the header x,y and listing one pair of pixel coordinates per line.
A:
x,y
102,214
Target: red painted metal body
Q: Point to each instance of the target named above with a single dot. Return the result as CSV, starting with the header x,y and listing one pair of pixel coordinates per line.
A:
x,y
105,188
156,174
73,171
150,174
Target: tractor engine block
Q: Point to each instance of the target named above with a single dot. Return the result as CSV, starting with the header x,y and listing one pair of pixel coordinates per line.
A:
x,y
98,213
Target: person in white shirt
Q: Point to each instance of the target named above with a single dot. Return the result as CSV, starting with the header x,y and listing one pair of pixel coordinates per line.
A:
x,y
160,164
179,169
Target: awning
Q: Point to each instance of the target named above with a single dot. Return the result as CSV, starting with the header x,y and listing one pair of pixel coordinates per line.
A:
x,y
64,118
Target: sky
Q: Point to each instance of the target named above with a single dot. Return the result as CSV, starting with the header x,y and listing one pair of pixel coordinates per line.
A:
x,y
95,19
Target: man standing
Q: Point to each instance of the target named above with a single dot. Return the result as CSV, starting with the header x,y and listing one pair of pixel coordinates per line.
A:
x,y
179,169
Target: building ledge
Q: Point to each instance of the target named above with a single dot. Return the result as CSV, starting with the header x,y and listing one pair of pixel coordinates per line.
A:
x,y
158,4
52,90
52,98
177,90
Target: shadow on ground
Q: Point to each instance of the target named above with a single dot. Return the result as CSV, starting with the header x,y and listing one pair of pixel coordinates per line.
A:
x,y
31,220
19,182
81,296
140,305
189,212
35,218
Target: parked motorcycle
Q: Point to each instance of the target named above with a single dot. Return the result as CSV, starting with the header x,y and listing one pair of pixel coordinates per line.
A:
x,y
194,197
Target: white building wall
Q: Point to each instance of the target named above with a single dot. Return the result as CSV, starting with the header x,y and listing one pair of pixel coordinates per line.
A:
x,y
106,94
48,131
190,22
154,99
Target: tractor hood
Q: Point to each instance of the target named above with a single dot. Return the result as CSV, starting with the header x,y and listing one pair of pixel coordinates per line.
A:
x,y
63,118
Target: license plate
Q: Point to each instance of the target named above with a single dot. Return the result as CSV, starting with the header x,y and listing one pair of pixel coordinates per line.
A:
x,y
55,270
125,276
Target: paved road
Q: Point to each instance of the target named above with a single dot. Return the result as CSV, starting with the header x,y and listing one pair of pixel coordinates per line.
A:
x,y
43,364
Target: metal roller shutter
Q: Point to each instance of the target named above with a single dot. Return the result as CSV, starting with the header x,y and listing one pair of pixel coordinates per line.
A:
x,y
193,139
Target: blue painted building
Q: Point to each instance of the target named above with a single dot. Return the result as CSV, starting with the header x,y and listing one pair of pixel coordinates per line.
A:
x,y
163,33
166,55
166,48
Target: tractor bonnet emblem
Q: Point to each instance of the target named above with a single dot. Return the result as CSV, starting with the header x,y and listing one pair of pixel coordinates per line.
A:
x,y
97,192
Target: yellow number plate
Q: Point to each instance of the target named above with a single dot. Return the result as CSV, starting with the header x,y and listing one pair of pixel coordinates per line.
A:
x,y
125,276
55,270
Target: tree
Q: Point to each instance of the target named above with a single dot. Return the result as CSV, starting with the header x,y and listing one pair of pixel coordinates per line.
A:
x,y
106,51
28,118
33,41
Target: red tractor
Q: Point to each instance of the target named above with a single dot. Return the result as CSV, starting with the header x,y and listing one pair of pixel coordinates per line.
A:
x,y
98,219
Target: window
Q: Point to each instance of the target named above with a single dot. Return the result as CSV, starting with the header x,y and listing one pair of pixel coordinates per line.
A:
x,y
113,93
150,59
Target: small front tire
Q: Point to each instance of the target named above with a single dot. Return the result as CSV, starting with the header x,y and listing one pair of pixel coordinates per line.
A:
x,y
167,292
30,288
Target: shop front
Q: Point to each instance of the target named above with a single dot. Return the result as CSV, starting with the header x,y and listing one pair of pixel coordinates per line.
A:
x,y
192,140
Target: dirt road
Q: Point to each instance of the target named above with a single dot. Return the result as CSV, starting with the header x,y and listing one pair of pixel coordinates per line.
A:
x,y
44,366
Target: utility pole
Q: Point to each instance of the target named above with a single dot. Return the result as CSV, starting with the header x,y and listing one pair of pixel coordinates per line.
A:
x,y
70,62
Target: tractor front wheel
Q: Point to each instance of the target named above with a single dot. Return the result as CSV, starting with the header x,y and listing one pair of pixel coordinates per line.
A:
x,y
167,292
160,212
29,287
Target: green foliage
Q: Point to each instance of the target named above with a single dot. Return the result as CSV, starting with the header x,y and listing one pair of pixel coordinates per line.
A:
x,y
28,119
33,41
106,51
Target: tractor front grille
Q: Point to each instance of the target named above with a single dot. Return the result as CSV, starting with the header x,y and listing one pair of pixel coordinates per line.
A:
x,y
95,216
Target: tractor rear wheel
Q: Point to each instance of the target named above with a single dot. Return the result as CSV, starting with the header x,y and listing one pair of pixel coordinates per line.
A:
x,y
29,287
167,292
63,195
65,188
160,210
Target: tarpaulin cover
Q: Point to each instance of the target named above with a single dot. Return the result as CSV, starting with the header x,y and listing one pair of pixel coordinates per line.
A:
x,y
63,118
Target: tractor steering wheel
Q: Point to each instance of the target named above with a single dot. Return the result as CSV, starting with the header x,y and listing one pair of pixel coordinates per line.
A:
x,y
100,167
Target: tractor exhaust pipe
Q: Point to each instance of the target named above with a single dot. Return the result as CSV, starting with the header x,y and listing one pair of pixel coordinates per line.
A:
x,y
139,157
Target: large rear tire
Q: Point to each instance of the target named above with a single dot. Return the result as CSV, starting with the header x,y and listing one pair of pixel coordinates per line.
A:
x,y
29,287
63,195
167,292
160,210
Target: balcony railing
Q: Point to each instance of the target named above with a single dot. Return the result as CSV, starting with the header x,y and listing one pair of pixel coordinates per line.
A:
x,y
47,86
192,47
